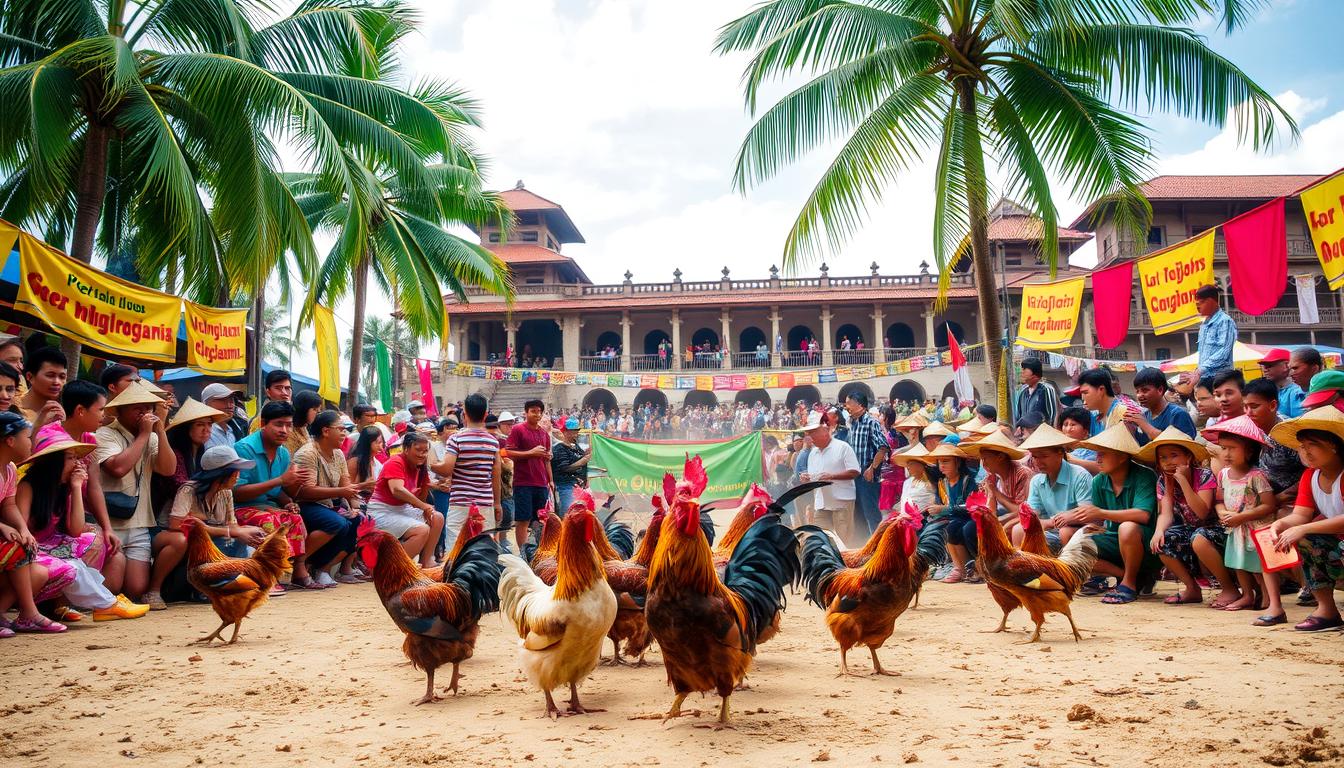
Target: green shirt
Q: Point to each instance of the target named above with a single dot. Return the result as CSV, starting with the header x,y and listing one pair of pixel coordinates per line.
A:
x,y
1138,492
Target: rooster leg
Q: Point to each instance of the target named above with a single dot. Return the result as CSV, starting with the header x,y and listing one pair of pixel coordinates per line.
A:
x,y
551,710
1035,636
722,722
211,637
844,664
615,660
1003,626
429,696
916,605
452,684
675,711
575,708
236,626
1068,614
877,665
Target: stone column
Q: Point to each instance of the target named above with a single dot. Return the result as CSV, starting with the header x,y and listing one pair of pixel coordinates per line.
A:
x,y
570,344
625,340
775,357
878,343
511,343
725,322
928,330
1088,335
827,358
677,350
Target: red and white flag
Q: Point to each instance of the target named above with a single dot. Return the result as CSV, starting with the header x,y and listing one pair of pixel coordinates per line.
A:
x,y
961,373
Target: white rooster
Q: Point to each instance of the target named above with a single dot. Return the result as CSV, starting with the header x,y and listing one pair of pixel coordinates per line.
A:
x,y
561,627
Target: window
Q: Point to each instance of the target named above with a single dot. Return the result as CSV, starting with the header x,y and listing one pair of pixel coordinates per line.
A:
x,y
528,217
1164,353
528,237
494,237
1156,238
551,244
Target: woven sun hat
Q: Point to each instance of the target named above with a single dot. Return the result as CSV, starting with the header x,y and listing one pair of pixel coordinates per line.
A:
x,y
1241,426
980,431
995,441
53,438
1116,437
1327,419
945,450
1047,436
155,388
1173,436
915,452
915,420
937,429
194,409
136,393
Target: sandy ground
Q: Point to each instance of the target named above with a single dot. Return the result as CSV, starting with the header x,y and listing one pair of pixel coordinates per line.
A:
x,y
319,679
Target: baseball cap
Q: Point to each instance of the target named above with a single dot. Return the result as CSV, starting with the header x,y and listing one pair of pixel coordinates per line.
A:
x,y
506,416
1074,391
1325,387
414,404
223,457
215,391
1276,355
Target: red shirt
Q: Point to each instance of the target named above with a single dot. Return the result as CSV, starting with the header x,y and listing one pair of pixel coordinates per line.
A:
x,y
396,469
529,472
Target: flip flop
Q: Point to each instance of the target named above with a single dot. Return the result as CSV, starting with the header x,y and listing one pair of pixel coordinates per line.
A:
x,y
1176,599
1120,595
1318,624
1097,585
1269,621
6,633
39,625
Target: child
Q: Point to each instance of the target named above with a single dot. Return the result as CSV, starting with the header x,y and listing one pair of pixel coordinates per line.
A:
x,y
1188,534
1245,502
22,568
1076,422
918,488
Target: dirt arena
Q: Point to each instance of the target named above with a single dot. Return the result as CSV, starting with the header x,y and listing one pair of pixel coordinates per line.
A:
x,y
319,679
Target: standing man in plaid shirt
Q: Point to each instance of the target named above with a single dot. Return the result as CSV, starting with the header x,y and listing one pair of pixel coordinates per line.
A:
x,y
869,441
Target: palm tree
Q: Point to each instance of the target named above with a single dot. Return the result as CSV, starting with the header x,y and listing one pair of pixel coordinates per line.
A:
x,y
392,223
1033,84
395,335
278,339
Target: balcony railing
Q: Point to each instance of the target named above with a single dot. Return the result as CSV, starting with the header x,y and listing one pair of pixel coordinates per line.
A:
x,y
1276,318
853,356
600,363
800,359
574,290
750,360
650,363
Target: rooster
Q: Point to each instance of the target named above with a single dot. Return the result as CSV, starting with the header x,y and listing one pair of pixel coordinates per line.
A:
x,y
441,619
549,538
235,586
1039,583
755,505
630,580
708,627
560,628
1033,533
473,527
863,603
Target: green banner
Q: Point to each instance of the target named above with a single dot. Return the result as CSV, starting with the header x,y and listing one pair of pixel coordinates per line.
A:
x,y
384,362
637,467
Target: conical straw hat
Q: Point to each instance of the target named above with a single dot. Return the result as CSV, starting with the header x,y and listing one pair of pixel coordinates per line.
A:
x,y
944,451
916,452
1114,438
937,429
194,409
1047,436
995,441
135,393
1326,418
1172,436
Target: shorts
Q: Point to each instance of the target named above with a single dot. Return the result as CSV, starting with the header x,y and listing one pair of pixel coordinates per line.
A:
x,y
528,501
136,543
1108,549
397,519
506,512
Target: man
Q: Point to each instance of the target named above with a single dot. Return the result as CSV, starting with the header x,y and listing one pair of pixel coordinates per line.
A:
x,y
831,460
327,499
1035,395
264,494
505,498
1057,489
131,450
117,377
1097,390
221,398
1303,364
471,469
1280,463
1227,388
569,463
84,404
869,441
505,423
1217,333
1274,366
530,448
1150,389
1327,388
278,387
417,411
44,373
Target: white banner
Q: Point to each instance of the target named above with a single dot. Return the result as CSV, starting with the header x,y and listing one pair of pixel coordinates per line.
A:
x,y
1306,299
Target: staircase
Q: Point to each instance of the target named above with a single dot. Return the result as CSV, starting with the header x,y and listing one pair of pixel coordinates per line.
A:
x,y
510,396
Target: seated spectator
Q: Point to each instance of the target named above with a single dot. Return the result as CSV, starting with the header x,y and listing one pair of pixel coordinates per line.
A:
x,y
24,570
1189,537
208,496
44,372
1124,501
364,415
398,503
131,449
85,407
221,398
366,458
327,499
1274,368
1097,390
1159,413
50,500
9,388
1245,503
1227,389
1316,525
1280,463
307,404
1076,423
189,433
1206,406
1006,481
917,489
954,484
265,492
1058,489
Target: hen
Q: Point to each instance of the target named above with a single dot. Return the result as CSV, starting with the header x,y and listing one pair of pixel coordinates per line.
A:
x,y
1039,583
441,619
235,586
562,627
707,627
863,603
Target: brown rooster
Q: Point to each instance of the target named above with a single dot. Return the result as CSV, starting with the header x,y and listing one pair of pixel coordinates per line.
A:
x,y
473,527
629,579
441,619
235,586
1034,543
1039,583
862,604
705,626
1033,533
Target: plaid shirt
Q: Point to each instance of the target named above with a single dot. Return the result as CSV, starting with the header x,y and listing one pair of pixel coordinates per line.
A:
x,y
866,437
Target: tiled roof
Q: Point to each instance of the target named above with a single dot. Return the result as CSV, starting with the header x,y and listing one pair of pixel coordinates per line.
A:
x,y
1218,187
524,253
1028,228
525,200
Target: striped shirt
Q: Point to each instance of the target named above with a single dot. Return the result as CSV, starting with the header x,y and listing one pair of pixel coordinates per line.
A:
x,y
473,472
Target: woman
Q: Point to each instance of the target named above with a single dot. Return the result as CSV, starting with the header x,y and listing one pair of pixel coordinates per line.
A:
x,y
24,571
917,490
398,503
307,404
893,473
188,431
569,462
954,484
364,463
208,496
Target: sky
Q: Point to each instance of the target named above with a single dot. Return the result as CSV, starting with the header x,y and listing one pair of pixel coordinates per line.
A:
x,y
620,111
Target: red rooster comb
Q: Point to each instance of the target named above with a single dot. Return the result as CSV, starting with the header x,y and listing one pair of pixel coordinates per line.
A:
x,y
977,501
1024,514
658,504
367,527
669,487
916,519
695,476
474,513
582,495
757,493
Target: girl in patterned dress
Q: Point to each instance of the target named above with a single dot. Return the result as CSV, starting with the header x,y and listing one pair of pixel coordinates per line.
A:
x,y
22,567
1245,502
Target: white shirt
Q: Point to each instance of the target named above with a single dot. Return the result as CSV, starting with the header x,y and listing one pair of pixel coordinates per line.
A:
x,y
1329,504
836,457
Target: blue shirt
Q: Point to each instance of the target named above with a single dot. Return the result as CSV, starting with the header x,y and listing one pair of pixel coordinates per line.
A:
x,y
1290,400
251,449
1217,334
1071,489
1171,416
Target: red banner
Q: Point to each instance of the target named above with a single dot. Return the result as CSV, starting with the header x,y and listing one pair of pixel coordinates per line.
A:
x,y
424,368
1111,290
1257,257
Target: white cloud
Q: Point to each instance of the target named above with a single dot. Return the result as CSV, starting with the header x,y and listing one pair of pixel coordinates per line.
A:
x,y
1319,150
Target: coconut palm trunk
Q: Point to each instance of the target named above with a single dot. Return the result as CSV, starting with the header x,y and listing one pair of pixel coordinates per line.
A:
x,y
89,196
361,288
991,327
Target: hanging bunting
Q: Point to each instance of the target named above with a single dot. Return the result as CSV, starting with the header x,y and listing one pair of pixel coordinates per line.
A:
x,y
383,359
1257,257
424,370
328,355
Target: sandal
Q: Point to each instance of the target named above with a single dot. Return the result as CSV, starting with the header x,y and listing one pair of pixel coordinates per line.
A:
x,y
6,633
1176,599
349,578
954,577
1269,621
308,583
1318,624
1097,585
39,625
1120,595
277,590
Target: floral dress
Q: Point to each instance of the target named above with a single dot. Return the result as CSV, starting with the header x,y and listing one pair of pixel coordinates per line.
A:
x,y
1178,540
1239,495
60,574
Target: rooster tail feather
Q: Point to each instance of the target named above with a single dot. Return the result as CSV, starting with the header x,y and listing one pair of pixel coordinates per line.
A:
x,y
1079,555
621,537
707,526
821,561
515,583
476,571
779,504
929,549
764,563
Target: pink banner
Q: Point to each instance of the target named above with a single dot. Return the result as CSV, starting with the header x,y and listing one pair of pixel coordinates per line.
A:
x,y
424,368
1111,290
1257,257
739,381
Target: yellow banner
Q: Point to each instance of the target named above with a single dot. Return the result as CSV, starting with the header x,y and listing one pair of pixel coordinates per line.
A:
x,y
804,377
95,308
667,381
328,354
8,234
1170,278
755,381
1324,206
704,383
216,340
1050,313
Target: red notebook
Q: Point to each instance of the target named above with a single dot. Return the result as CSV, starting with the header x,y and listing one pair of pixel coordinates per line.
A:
x,y
1272,559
